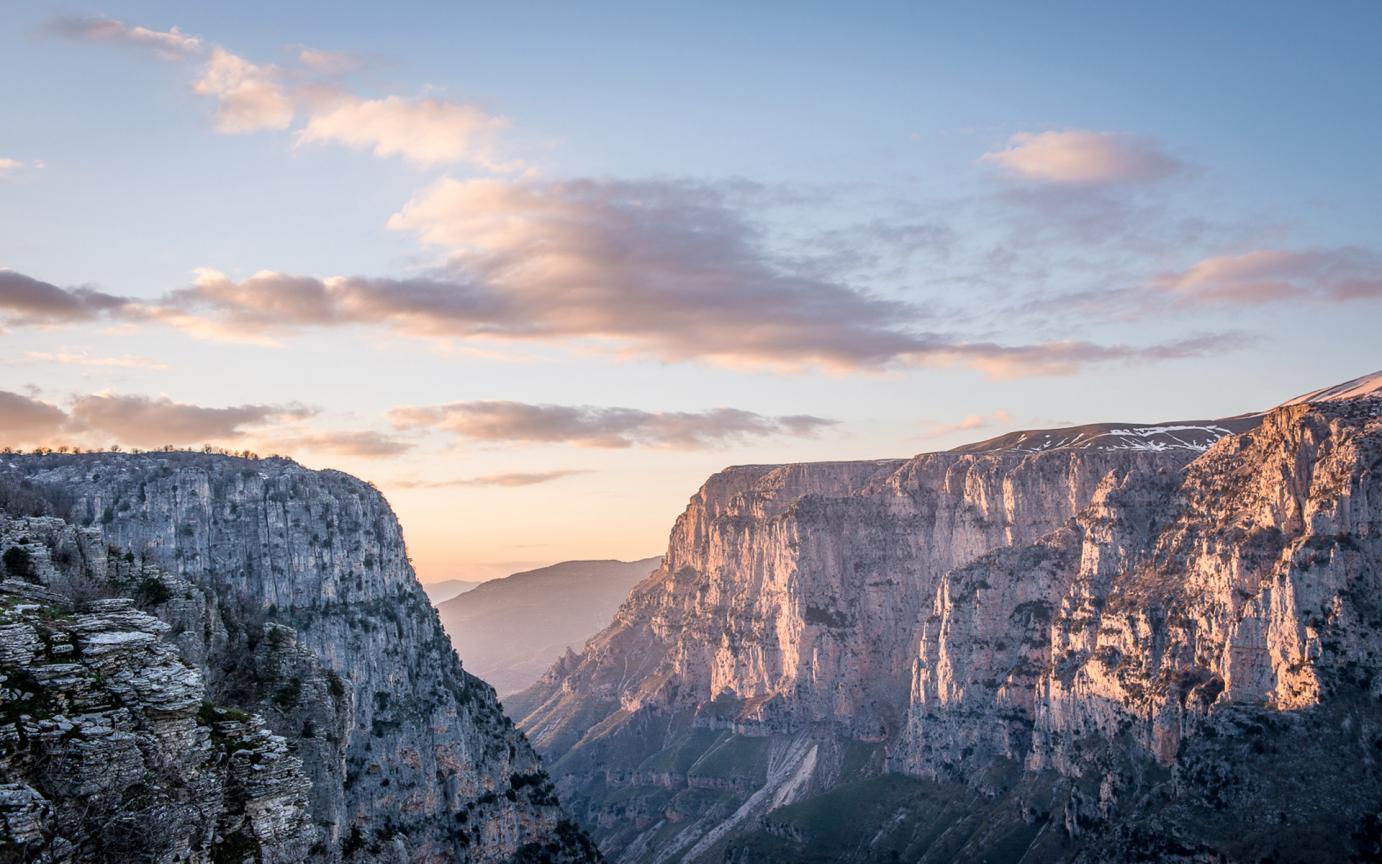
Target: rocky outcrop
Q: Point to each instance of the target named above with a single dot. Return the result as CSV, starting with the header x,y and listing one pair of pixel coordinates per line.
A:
x,y
289,595
108,747
995,652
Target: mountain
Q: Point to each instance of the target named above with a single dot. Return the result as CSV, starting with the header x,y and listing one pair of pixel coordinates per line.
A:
x,y
1367,385
1080,649
212,658
440,592
508,631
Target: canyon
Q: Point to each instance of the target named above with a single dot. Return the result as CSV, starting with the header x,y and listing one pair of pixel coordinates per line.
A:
x,y
1111,642
1107,643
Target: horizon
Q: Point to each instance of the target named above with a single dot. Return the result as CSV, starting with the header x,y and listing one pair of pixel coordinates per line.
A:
x,y
538,301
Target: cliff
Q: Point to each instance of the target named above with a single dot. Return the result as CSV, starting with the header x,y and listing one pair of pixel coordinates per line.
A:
x,y
1003,650
287,595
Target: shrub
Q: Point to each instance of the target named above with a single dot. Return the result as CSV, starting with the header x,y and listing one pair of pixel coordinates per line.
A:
x,y
152,592
19,563
288,695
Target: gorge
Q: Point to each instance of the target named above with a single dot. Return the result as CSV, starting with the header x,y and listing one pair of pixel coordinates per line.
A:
x,y
1112,642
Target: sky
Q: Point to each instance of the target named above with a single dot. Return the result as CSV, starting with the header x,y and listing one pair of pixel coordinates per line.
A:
x,y
537,270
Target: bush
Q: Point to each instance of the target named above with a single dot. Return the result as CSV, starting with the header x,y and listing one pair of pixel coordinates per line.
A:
x,y
19,563
288,695
152,592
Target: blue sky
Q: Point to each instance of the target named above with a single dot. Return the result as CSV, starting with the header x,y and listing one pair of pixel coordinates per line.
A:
x,y
901,218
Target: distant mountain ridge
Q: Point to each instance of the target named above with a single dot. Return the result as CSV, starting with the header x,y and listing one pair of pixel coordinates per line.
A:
x,y
1191,435
440,592
1364,385
508,631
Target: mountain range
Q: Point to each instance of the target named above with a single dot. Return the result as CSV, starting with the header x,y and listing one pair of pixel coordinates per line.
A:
x,y
440,592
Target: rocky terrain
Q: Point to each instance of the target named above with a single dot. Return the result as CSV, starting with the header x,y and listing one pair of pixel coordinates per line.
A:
x,y
1079,649
510,630
216,659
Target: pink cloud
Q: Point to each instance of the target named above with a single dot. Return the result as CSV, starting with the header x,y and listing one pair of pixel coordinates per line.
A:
x,y
1274,275
1083,158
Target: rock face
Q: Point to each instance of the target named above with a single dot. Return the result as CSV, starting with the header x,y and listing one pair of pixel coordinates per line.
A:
x,y
510,630
286,595
1076,650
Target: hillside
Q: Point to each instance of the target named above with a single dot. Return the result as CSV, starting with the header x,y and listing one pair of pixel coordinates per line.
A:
x,y
508,631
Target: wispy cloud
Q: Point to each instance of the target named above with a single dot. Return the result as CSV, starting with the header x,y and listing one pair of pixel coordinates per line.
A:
x,y
968,424
254,96
1275,275
171,44
25,300
330,63
144,421
425,131
24,419
513,479
1083,158
589,426
358,444
68,357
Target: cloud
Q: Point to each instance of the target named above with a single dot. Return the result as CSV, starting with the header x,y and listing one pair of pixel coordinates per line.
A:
x,y
65,357
330,63
425,131
25,420
664,269
587,426
25,300
510,480
362,445
668,269
1083,158
142,421
1068,357
9,165
1275,275
170,44
249,97
969,423
269,301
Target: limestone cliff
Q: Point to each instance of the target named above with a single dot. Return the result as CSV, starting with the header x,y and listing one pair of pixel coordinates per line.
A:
x,y
285,593
998,651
